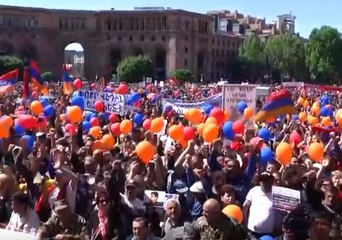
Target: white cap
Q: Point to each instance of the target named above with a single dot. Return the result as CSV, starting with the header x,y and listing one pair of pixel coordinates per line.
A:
x,y
197,187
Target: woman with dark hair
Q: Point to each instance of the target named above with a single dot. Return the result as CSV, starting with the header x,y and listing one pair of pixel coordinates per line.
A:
x,y
105,222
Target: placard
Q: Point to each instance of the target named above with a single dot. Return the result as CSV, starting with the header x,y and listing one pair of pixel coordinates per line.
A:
x,y
285,199
113,102
235,93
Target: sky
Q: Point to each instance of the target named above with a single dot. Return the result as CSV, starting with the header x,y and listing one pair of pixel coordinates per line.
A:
x,y
309,13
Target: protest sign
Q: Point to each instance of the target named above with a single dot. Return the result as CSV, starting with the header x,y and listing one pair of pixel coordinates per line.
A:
x,y
285,199
235,93
180,107
113,102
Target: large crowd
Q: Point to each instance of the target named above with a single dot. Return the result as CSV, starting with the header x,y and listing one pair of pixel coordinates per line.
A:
x,y
153,173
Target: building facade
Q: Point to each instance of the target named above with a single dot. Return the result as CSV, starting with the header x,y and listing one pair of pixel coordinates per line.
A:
x,y
172,38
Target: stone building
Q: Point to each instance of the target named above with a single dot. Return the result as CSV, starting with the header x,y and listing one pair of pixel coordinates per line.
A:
x,y
172,38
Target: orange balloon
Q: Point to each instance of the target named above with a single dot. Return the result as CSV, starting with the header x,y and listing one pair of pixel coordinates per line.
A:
x,y
74,114
316,151
316,104
36,108
108,140
95,132
270,120
186,114
248,113
226,116
312,120
200,128
302,116
210,132
326,121
233,211
157,125
306,103
62,117
176,132
145,151
126,126
315,110
8,121
211,120
4,130
183,143
301,101
99,145
284,153
338,117
195,116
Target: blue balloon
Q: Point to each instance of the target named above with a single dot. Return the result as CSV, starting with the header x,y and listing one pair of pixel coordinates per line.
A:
x,y
135,97
86,126
106,115
266,237
325,111
295,117
241,106
138,118
266,155
19,130
49,111
228,130
325,100
30,141
44,101
265,134
208,108
77,101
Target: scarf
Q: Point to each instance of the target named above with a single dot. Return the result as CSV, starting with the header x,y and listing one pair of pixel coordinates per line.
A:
x,y
102,226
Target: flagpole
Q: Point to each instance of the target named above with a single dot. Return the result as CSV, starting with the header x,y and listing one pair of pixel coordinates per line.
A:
x,y
26,78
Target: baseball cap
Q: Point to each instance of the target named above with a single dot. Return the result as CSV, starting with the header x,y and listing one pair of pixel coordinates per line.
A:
x,y
180,187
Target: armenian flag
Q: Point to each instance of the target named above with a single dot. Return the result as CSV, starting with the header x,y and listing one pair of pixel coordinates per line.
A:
x,y
8,80
36,78
278,103
67,82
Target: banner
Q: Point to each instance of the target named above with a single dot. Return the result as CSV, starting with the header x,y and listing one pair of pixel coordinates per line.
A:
x,y
113,102
180,107
235,93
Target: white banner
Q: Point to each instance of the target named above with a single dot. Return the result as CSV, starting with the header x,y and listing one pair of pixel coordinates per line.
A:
x,y
235,93
113,102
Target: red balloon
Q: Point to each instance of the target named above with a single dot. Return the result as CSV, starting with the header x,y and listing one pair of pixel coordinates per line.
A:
x,y
238,127
27,121
112,118
99,106
115,128
147,124
123,89
70,128
295,138
94,122
35,95
78,83
217,113
189,133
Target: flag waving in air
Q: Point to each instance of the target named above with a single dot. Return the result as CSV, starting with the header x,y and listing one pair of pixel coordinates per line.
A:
x,y
36,78
8,80
67,81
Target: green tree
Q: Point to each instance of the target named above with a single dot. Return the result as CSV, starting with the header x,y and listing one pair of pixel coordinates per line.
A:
x,y
48,77
9,63
251,52
135,68
323,54
183,75
286,53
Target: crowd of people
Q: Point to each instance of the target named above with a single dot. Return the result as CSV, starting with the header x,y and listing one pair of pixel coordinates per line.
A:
x,y
62,179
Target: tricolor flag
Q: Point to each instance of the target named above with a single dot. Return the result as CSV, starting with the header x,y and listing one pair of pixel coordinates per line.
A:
x,y
67,81
8,80
278,103
36,78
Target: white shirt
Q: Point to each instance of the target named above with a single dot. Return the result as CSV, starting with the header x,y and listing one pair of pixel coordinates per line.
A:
x,y
70,197
261,214
28,223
